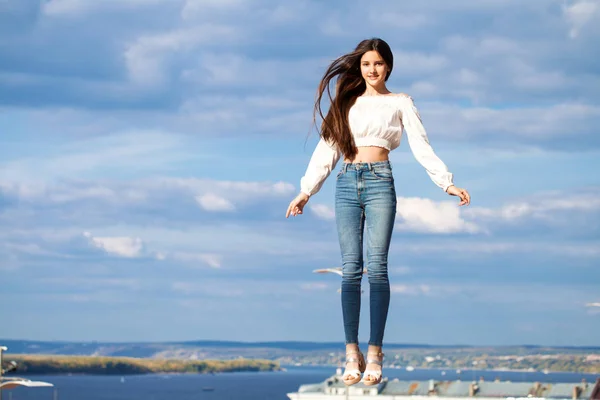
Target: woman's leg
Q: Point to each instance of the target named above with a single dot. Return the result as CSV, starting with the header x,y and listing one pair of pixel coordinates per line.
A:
x,y
380,213
350,225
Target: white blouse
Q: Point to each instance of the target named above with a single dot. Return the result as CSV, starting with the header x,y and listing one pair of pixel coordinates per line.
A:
x,y
378,121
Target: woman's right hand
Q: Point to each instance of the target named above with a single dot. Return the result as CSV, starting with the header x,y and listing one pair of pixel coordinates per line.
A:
x,y
465,197
297,205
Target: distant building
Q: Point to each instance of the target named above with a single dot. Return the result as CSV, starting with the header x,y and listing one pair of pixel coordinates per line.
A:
x,y
334,388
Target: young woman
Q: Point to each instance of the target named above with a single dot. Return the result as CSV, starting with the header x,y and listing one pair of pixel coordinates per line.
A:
x,y
363,124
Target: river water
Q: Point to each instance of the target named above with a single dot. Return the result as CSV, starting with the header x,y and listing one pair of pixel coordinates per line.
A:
x,y
238,385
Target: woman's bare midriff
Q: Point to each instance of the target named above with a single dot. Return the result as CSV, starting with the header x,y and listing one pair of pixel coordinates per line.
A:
x,y
369,154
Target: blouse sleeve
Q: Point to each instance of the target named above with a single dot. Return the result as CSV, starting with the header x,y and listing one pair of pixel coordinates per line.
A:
x,y
421,149
322,162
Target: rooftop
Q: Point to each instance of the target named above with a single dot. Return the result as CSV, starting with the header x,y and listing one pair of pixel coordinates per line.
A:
x,y
459,389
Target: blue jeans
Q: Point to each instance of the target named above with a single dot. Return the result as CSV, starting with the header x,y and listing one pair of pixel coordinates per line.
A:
x,y
365,196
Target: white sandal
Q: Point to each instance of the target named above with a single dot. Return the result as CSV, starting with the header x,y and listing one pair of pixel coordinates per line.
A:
x,y
354,373
374,376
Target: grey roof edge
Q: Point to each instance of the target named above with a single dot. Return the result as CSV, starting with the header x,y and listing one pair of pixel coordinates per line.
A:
x,y
463,389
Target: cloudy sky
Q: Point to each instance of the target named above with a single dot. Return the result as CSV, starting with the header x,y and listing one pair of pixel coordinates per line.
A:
x,y
149,150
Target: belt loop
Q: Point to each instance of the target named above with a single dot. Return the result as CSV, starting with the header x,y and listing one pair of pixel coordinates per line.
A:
x,y
370,166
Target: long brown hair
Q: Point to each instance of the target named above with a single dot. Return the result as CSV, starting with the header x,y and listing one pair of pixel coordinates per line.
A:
x,y
350,84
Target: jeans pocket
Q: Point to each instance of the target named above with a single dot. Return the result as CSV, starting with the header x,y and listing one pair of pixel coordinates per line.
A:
x,y
382,173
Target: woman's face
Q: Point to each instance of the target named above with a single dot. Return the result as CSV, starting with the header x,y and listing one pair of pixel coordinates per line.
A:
x,y
373,69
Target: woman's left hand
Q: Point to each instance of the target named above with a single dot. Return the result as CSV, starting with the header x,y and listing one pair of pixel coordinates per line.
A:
x,y
465,199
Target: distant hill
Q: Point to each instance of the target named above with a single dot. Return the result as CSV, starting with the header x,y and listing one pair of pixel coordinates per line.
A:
x,y
224,348
152,349
526,357
53,364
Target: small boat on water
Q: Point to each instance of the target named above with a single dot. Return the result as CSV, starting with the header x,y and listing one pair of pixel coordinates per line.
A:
x,y
208,389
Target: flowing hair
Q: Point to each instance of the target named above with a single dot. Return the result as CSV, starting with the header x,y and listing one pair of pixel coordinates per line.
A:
x,y
349,85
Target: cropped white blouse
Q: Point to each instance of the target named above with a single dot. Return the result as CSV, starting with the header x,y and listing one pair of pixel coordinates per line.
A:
x,y
378,121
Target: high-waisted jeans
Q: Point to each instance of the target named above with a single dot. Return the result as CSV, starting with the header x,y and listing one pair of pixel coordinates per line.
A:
x,y
365,196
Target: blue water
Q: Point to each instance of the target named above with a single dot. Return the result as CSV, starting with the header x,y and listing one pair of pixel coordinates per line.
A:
x,y
237,386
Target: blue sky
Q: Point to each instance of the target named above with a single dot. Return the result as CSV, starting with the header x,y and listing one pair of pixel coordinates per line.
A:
x,y
149,150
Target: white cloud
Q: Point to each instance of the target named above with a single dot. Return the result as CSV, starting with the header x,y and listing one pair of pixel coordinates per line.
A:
x,y
106,297
247,82
122,150
579,14
147,58
33,249
400,270
418,215
593,304
211,195
525,67
9,262
538,126
412,290
199,8
417,62
62,193
462,249
333,26
547,206
79,7
184,56
235,188
212,260
310,286
94,282
120,245
424,215
212,202
134,247
400,20
62,7
514,293
233,69
322,211
212,289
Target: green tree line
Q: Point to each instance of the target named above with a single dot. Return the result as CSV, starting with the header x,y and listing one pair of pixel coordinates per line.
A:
x,y
50,364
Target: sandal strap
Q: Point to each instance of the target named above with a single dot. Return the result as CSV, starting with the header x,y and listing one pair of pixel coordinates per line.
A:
x,y
375,374
375,360
372,376
357,359
351,372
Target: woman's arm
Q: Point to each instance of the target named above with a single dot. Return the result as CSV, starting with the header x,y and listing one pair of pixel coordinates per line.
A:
x,y
419,144
322,162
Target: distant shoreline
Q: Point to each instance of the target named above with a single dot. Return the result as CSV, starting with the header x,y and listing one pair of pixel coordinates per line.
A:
x,y
48,364
89,365
463,370
498,358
